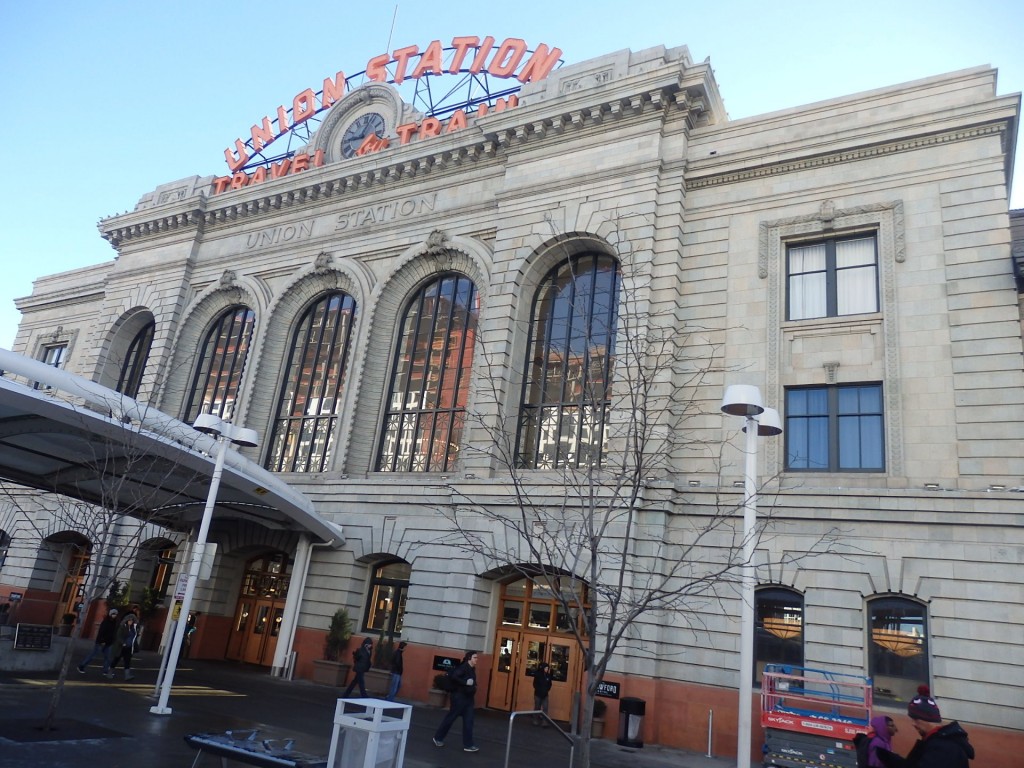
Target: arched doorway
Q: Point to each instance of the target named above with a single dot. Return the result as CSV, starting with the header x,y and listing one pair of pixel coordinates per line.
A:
x,y
260,610
72,553
533,627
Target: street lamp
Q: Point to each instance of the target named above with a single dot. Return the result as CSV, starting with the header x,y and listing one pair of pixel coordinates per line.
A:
x,y
223,432
745,400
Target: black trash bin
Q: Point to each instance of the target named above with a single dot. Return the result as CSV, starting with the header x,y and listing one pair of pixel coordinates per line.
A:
x,y
631,722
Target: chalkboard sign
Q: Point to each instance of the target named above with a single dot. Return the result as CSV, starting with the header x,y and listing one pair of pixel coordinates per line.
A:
x,y
33,637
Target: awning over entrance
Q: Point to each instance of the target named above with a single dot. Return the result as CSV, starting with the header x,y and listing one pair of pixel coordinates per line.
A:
x,y
68,435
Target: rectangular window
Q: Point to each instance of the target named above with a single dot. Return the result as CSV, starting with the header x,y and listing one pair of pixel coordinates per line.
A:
x,y
835,429
55,355
832,278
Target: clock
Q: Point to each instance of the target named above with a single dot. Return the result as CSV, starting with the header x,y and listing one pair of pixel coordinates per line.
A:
x,y
358,130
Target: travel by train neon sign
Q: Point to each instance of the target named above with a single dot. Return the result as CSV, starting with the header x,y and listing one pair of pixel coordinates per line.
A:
x,y
475,59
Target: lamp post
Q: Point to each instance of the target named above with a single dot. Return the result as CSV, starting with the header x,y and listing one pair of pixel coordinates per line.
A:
x,y
745,400
224,432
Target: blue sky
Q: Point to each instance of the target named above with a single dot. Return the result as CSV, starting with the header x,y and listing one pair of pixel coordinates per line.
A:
x,y
102,102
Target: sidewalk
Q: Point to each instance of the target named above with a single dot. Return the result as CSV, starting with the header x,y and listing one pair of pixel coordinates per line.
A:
x,y
107,723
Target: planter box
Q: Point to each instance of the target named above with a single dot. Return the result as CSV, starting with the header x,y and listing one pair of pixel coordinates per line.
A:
x,y
330,672
437,697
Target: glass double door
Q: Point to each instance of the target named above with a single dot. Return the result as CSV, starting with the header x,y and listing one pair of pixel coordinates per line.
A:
x,y
255,631
516,657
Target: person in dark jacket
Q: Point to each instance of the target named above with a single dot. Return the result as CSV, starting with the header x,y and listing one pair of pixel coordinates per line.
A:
x,y
124,645
397,667
942,744
105,636
361,660
541,688
463,691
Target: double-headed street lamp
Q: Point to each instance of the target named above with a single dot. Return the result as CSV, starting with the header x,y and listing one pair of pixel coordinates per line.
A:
x,y
224,432
745,400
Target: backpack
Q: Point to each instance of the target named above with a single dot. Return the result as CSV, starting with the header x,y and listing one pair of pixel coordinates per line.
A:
x,y
861,742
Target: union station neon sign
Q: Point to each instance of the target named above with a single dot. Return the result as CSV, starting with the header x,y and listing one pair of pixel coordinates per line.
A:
x,y
466,55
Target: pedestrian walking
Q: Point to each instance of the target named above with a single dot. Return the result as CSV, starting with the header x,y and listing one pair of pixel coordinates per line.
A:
x,y
105,636
541,688
124,645
360,666
941,744
397,666
885,728
463,692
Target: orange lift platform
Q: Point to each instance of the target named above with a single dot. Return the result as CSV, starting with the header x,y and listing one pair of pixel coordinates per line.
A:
x,y
811,716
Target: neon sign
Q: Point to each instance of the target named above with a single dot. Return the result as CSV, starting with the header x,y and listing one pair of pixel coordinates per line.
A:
x,y
471,56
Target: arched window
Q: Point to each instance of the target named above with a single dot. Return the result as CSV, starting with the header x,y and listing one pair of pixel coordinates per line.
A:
x,y
897,647
569,364
314,382
221,364
134,365
778,628
385,610
426,405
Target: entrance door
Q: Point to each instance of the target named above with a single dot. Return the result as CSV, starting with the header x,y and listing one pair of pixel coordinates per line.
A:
x,y
506,651
534,628
259,611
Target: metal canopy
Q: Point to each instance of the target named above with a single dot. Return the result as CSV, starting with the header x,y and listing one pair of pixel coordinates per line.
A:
x,y
64,434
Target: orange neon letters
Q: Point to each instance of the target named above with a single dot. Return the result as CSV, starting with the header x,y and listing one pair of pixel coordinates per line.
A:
x,y
507,58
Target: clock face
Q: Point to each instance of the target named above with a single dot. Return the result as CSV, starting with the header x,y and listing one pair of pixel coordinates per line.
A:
x,y
357,132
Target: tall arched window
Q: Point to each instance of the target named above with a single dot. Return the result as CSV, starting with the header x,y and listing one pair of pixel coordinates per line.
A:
x,y
314,382
897,647
569,364
778,628
221,364
134,365
426,405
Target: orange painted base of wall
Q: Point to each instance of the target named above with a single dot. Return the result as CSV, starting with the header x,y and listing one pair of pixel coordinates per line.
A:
x,y
679,715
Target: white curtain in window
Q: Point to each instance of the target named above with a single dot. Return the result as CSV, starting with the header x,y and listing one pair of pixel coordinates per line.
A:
x,y
856,276
807,287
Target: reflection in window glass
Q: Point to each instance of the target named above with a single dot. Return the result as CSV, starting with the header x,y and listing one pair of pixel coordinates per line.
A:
x,y
778,629
898,656
559,663
569,365
512,613
426,402
222,357
275,628
540,616
505,655
385,611
535,652
243,617
314,385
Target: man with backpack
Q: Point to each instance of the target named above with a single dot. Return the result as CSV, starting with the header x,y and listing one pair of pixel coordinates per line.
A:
x,y
463,685
361,660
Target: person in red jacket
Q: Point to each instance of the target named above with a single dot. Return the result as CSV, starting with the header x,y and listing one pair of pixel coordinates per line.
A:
x,y
942,744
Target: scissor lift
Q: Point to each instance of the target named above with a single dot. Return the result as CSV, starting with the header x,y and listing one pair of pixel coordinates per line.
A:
x,y
811,716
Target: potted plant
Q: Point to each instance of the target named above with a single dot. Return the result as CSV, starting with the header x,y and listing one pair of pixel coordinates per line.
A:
x,y
597,724
438,695
331,670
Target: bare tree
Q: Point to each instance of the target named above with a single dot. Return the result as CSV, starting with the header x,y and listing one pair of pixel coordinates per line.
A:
x,y
111,488
587,506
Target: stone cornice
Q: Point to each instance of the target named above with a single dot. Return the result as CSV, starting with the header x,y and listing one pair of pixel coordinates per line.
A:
x,y
845,156
487,140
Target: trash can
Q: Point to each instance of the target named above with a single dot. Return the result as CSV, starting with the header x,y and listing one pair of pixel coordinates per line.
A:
x,y
631,722
369,733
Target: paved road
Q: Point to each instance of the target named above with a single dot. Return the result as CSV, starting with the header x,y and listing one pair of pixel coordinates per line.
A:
x,y
107,724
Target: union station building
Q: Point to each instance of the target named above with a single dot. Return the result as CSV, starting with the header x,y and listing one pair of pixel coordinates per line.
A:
x,y
389,294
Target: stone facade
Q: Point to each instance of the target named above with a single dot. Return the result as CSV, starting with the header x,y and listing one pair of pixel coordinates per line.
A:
x,y
633,154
